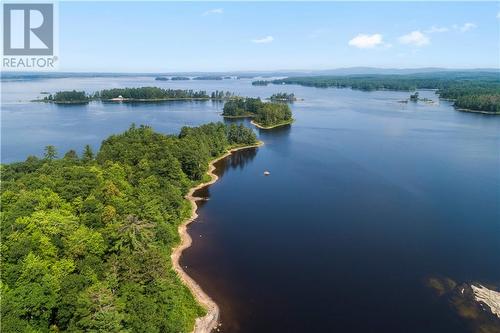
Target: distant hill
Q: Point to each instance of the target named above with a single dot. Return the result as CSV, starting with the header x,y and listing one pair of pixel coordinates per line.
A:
x,y
249,74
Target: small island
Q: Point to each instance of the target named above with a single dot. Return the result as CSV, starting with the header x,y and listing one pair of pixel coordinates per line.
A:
x,y
414,97
162,78
67,97
264,115
260,83
283,97
179,78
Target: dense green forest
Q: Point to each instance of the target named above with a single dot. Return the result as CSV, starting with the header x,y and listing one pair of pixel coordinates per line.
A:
x,y
283,97
136,94
72,97
273,114
479,91
260,83
479,102
264,114
146,93
219,94
87,239
242,107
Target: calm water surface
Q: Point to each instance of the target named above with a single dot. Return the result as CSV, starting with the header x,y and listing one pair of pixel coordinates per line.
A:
x,y
367,198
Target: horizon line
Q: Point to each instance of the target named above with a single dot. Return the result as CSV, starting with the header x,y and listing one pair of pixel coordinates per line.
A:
x,y
257,70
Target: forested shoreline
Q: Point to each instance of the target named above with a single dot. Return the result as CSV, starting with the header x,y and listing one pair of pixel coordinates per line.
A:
x,y
264,114
477,91
87,239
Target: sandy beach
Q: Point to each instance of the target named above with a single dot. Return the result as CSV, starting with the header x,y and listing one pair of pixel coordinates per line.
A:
x,y
208,322
270,127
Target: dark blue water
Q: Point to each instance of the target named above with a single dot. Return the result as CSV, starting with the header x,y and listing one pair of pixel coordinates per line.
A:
x,y
367,198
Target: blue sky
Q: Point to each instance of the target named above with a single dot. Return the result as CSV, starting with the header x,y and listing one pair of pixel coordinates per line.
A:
x,y
226,36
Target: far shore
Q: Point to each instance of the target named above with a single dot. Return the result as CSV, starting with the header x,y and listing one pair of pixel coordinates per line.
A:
x,y
273,126
478,111
238,117
210,321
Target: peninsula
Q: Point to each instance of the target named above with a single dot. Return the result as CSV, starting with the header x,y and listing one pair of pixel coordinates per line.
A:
x,y
91,241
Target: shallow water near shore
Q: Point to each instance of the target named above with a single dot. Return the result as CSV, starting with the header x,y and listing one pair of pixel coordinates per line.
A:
x,y
366,199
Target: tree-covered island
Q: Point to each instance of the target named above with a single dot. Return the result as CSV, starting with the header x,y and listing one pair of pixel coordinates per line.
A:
x,y
283,97
149,94
135,95
180,78
87,239
264,114
68,97
260,83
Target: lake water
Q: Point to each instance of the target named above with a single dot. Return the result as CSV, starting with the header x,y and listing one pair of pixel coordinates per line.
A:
x,y
366,199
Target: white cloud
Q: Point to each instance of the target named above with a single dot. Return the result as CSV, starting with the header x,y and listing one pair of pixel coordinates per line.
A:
x,y
264,40
416,38
498,15
435,29
465,27
363,41
214,11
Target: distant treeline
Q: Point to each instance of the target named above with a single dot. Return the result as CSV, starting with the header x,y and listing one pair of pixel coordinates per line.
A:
x,y
479,91
208,77
86,240
264,114
180,78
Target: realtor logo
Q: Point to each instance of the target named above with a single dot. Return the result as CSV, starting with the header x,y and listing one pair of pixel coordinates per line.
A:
x,y
28,29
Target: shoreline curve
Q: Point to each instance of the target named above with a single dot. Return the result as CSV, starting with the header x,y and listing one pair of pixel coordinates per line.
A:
x,y
273,126
210,321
